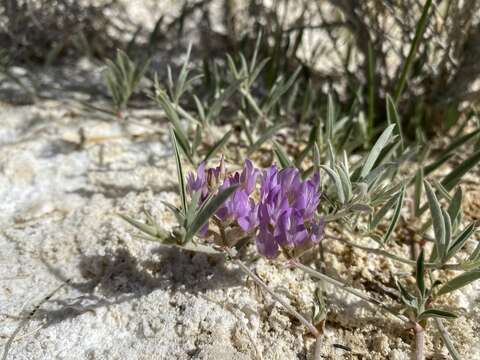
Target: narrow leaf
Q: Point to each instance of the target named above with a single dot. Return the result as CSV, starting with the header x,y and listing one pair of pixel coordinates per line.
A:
x,y
192,206
280,91
421,25
447,340
441,190
460,241
361,208
407,298
448,231
420,274
459,281
151,230
457,173
437,218
218,146
217,105
396,216
180,174
394,118
211,206
185,150
178,214
165,103
268,133
475,255
450,151
435,313
371,90
337,181
281,155
330,154
455,206
375,152
330,117
417,198
316,157
346,184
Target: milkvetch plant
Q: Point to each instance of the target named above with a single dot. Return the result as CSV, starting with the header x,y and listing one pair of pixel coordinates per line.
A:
x,y
256,112
280,216
274,207
285,210
323,191
122,77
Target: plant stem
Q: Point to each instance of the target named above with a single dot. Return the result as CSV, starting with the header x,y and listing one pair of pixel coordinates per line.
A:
x,y
446,339
421,25
454,267
317,355
348,289
253,103
313,330
419,341
287,306
371,92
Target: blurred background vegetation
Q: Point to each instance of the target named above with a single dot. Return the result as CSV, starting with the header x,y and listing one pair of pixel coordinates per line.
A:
x,y
424,54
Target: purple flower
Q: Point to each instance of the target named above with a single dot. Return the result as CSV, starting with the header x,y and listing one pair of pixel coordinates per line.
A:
x,y
283,217
248,177
240,207
250,220
196,183
266,243
286,210
205,180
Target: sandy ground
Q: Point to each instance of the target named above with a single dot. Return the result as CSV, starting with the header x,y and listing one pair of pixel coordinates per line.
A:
x,y
132,299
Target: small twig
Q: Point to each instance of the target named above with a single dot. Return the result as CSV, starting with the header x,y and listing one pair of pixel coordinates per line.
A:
x,y
286,305
27,318
313,330
446,339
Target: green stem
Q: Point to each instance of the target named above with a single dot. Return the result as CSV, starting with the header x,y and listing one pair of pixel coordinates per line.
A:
x,y
253,103
419,341
446,339
429,265
313,330
286,305
371,92
416,42
353,291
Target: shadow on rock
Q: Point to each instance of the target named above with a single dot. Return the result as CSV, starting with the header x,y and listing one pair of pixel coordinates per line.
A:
x,y
118,277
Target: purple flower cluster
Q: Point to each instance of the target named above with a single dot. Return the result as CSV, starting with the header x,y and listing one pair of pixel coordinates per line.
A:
x,y
284,214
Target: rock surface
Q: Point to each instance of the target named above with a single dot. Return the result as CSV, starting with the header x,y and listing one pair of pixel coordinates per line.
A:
x,y
66,172
132,299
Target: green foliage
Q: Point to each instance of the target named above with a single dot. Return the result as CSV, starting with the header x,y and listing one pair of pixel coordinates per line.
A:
x,y
364,190
281,155
122,77
459,282
347,127
191,215
376,149
419,304
204,212
421,25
